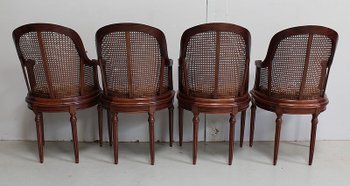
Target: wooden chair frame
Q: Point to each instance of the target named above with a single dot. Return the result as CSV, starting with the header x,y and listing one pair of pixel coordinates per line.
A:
x,y
53,103
217,104
114,104
280,106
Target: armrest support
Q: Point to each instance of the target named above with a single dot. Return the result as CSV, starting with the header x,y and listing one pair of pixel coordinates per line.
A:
x,y
258,63
170,64
95,62
92,62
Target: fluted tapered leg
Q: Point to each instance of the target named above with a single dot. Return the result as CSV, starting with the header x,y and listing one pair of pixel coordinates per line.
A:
x,y
195,136
277,137
314,122
151,135
171,125
181,111
242,128
38,120
100,124
252,124
232,137
73,121
42,128
115,136
110,127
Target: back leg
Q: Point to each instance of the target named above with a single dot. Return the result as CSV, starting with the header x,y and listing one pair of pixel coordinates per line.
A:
x,y
242,128
252,124
181,111
171,126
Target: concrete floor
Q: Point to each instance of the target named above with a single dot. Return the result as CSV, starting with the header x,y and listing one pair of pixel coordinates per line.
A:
x,y
251,166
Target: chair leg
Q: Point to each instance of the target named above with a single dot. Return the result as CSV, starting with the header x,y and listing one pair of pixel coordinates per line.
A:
x,y
277,137
38,116
252,124
195,136
42,128
73,121
115,136
100,124
151,134
232,137
171,126
314,122
242,128
110,127
181,111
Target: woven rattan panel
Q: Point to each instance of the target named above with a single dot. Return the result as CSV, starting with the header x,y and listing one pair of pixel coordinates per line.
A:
x,y
166,79
319,56
89,78
201,64
145,64
288,67
232,64
62,61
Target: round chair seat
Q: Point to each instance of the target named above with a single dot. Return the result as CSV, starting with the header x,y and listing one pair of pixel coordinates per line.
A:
x,y
288,106
138,104
213,106
62,104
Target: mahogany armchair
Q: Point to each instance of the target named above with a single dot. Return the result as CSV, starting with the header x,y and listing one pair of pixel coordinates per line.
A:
x,y
136,75
213,76
58,74
293,77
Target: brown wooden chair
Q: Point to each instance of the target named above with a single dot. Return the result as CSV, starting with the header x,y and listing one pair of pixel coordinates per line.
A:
x,y
293,77
213,75
136,74
58,74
